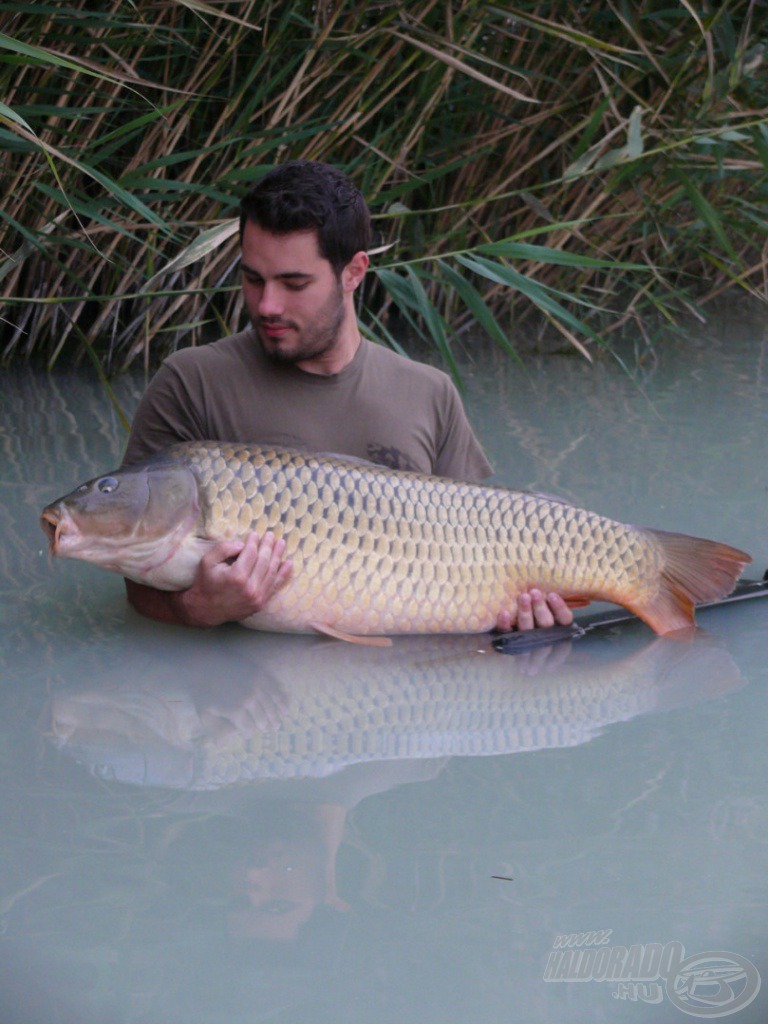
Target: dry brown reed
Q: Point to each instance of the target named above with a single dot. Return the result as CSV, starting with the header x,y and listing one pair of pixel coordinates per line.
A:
x,y
576,160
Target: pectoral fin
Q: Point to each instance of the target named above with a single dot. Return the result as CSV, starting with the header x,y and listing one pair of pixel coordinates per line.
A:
x,y
350,638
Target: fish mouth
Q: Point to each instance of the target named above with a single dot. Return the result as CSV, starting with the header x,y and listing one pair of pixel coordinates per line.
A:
x,y
58,527
50,521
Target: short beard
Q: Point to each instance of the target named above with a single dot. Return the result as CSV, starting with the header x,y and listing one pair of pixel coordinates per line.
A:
x,y
318,338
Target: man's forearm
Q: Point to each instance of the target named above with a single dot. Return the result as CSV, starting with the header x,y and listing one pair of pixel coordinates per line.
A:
x,y
162,605
235,579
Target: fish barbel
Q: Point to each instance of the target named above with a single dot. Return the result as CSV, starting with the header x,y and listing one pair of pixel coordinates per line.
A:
x,y
377,551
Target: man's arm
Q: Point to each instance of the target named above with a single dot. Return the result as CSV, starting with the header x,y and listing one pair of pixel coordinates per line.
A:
x,y
235,579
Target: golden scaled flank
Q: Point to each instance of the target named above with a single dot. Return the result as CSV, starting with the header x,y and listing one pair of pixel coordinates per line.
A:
x,y
378,550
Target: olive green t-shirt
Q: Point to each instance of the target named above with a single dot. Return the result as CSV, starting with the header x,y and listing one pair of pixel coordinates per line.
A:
x,y
382,407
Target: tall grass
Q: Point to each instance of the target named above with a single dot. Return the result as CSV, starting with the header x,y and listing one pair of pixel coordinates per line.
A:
x,y
588,163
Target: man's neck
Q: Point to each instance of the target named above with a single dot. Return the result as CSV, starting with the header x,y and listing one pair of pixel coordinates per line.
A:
x,y
338,356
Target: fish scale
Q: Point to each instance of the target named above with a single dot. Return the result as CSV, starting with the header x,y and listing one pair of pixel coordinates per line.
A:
x,y
380,551
381,538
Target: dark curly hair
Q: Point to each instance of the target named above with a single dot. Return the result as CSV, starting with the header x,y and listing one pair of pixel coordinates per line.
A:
x,y
306,195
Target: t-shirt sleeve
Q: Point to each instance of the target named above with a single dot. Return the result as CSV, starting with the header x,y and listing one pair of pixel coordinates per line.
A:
x,y
459,454
167,413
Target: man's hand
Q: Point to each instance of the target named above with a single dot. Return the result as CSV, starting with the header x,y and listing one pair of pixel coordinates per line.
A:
x,y
535,609
235,579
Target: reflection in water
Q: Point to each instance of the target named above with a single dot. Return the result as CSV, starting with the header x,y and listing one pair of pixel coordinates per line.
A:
x,y
302,709
320,726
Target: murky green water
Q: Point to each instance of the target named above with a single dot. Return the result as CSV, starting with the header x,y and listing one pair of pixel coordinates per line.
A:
x,y
232,827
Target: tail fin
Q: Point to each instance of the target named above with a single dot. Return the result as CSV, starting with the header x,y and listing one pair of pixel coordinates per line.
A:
x,y
695,570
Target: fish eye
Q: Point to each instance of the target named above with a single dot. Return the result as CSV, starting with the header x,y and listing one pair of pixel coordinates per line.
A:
x,y
107,484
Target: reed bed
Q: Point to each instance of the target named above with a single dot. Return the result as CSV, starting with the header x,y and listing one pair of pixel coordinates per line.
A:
x,y
589,164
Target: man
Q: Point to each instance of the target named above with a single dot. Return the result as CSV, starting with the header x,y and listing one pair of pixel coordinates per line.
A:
x,y
302,377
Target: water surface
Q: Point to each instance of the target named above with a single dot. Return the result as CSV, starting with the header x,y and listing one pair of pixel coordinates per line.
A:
x,y
227,826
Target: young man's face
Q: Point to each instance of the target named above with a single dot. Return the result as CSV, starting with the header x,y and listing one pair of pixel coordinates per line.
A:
x,y
295,301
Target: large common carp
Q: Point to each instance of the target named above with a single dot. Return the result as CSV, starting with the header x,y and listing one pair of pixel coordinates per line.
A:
x,y
376,551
